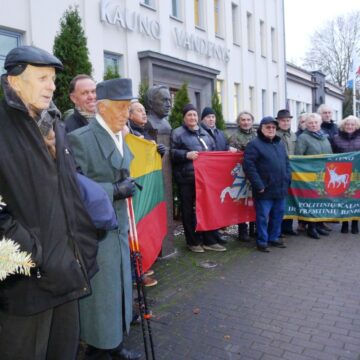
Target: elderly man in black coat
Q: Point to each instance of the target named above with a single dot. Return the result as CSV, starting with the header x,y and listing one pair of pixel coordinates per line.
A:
x,y
266,165
39,316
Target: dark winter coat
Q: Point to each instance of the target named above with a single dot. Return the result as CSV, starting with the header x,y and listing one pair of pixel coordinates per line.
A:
x,y
44,214
310,143
329,128
75,121
139,130
221,143
345,142
266,165
182,141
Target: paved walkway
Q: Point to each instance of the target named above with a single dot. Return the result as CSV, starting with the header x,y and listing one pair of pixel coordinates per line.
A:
x,y
299,303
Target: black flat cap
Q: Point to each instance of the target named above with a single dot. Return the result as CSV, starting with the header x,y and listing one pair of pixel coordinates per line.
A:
x,y
114,89
18,58
284,113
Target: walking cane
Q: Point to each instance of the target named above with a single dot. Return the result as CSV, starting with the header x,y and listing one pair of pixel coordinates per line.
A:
x,y
145,313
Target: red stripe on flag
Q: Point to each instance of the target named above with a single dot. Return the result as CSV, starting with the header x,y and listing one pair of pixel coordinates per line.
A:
x,y
152,230
312,194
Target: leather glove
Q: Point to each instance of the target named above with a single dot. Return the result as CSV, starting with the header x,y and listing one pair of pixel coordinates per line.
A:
x,y
161,148
124,188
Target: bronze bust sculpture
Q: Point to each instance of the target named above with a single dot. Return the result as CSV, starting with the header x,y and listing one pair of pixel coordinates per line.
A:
x,y
159,106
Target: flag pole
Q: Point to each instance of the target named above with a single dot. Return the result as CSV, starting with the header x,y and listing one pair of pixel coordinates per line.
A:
x,y
355,67
354,94
145,313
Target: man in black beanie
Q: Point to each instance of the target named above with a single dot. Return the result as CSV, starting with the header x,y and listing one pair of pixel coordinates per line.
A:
x,y
187,141
208,123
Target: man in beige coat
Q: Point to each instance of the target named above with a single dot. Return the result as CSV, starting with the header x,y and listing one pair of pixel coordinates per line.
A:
x,y
288,138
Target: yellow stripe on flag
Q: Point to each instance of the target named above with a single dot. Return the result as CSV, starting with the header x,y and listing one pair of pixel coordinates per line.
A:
x,y
304,176
307,176
146,158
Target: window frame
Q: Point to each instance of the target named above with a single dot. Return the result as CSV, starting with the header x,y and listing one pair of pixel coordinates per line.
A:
x,y
12,34
200,22
250,31
262,31
150,5
178,14
108,55
235,18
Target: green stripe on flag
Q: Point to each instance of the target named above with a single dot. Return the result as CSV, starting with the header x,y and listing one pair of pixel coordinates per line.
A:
x,y
303,185
144,201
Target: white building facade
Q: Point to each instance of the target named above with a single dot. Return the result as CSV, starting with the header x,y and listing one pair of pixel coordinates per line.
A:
x,y
234,47
306,91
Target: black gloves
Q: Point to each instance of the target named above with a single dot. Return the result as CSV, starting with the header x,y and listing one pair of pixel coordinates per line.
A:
x,y
161,148
124,188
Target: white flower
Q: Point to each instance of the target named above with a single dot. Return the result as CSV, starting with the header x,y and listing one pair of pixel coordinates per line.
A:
x,y
12,260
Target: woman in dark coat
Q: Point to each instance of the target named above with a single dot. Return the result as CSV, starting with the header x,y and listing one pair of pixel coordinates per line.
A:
x,y
347,140
186,143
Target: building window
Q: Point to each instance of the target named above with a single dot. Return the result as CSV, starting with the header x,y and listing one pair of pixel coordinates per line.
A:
x,y
150,3
299,109
236,99
175,9
274,45
8,41
275,103
235,23
252,99
217,17
250,31
262,38
263,102
113,64
199,13
219,89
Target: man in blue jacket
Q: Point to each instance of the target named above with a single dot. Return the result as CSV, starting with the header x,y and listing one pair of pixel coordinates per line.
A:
x,y
266,165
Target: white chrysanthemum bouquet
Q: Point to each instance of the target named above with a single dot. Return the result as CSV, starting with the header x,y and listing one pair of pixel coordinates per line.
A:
x,y
12,260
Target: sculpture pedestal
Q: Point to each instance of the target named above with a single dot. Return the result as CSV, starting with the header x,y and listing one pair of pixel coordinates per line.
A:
x,y
168,243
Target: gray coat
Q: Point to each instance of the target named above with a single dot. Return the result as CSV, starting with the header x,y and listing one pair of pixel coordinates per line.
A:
x,y
309,143
101,314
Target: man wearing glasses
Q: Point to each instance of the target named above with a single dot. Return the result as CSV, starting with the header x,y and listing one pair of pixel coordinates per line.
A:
x,y
266,165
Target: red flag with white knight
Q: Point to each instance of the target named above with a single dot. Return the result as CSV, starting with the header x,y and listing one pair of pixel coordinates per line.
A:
x,y
223,194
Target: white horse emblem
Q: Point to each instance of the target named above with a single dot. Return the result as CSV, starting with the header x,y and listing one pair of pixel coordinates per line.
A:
x,y
336,180
240,188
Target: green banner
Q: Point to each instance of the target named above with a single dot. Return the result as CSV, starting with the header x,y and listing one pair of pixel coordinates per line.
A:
x,y
324,187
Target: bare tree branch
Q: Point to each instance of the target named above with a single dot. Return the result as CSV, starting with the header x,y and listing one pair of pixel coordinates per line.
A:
x,y
332,48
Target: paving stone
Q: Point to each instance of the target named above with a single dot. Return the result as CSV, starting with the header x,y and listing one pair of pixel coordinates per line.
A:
x,y
302,303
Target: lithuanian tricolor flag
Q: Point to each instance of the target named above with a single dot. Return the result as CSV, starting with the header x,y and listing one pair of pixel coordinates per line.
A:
x,y
324,187
149,204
